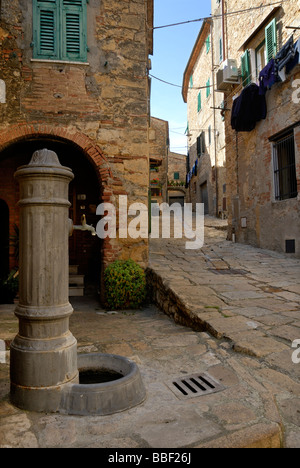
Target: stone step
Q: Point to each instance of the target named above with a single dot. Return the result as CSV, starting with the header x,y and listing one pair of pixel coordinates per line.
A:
x,y
75,291
76,280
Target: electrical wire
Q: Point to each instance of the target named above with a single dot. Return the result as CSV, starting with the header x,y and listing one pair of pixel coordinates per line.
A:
x,y
179,86
231,13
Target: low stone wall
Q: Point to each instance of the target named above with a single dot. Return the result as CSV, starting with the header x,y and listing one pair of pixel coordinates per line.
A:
x,y
163,296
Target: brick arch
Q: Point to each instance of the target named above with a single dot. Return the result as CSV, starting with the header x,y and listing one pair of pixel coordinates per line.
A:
x,y
110,185
16,133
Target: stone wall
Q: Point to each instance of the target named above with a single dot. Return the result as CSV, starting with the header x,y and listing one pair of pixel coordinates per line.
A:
x,y
101,106
254,215
177,163
158,153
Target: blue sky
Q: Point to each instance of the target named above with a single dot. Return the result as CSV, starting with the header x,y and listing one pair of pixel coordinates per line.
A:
x,y
172,49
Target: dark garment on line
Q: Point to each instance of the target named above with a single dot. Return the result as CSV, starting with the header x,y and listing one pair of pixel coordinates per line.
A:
x,y
286,54
296,60
248,109
268,77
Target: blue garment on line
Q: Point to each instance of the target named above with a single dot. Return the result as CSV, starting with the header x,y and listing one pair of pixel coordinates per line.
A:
x,y
268,77
286,54
296,60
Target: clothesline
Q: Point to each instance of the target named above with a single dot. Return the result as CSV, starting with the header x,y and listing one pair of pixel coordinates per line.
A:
x,y
253,76
250,106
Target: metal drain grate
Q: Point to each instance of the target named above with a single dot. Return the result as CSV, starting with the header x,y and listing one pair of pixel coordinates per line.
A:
x,y
195,385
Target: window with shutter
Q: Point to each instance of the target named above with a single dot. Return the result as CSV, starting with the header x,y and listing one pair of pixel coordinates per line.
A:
x,y
199,102
208,88
201,144
246,68
221,49
207,42
60,29
271,40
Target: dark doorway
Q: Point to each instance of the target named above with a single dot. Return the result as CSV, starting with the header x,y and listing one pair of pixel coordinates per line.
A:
x,y
204,197
84,196
4,239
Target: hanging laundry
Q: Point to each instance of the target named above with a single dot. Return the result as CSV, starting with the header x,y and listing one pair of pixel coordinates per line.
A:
x,y
286,54
268,77
296,60
248,109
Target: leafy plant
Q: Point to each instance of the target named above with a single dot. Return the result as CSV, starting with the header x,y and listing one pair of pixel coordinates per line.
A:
x,y
9,288
125,285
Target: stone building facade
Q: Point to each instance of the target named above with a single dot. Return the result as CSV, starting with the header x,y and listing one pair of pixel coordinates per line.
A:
x,y
73,79
263,160
177,178
167,169
206,178
159,151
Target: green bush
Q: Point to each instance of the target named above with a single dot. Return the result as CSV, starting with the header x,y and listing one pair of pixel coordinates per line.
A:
x,y
125,285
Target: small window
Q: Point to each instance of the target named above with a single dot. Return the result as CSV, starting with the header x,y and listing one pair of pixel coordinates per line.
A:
x,y
176,175
201,144
207,42
260,55
246,68
209,135
221,49
199,106
60,30
191,81
208,88
285,179
271,40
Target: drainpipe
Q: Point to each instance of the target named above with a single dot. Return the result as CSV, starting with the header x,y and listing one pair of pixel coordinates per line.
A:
x,y
223,29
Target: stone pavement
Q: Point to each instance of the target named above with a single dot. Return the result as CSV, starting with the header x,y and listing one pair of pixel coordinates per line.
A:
x,y
243,306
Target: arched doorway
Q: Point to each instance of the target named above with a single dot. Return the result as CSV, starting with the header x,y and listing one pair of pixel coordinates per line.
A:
x,y
4,239
84,196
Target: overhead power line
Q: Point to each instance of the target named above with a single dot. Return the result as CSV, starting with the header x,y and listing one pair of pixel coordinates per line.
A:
x,y
179,86
230,13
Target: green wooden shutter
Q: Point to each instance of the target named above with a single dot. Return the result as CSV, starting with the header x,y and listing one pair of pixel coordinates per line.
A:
x,y
203,148
73,30
199,102
207,41
221,49
271,40
208,88
45,29
246,68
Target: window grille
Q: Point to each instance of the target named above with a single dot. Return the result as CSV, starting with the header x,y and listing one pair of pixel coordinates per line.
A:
x,y
285,179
